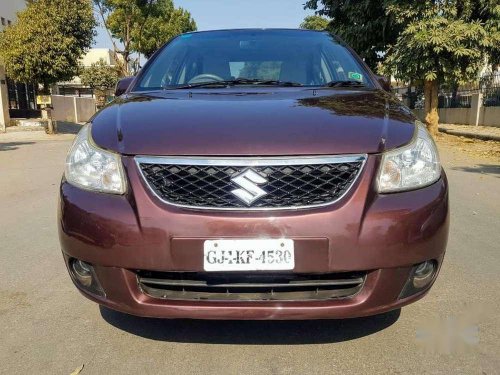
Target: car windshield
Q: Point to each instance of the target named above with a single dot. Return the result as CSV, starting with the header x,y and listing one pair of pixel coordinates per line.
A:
x,y
251,57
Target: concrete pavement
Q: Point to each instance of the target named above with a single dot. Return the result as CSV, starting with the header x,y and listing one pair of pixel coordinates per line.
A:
x,y
46,327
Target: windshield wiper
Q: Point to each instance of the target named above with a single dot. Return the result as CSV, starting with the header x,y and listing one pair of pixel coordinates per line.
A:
x,y
348,83
273,82
237,81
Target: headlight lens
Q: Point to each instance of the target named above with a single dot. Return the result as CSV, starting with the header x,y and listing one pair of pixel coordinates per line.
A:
x,y
410,167
92,168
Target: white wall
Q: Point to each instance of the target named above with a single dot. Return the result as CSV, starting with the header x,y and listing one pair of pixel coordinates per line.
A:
x,y
8,10
488,116
4,101
72,109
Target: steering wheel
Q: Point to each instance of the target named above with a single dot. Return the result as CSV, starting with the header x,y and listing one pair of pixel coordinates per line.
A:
x,y
202,78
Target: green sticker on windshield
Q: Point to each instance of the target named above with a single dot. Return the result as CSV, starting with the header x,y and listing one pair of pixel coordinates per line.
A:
x,y
355,76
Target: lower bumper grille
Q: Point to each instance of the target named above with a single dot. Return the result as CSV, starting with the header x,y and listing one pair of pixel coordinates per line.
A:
x,y
249,287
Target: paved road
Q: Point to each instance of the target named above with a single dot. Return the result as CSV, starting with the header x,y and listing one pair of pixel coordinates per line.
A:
x,y
46,327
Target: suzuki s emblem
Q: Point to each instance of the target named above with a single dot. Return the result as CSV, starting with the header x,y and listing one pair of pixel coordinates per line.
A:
x,y
249,182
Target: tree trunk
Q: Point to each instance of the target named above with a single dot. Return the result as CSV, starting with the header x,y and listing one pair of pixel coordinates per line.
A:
x,y
45,89
47,115
454,95
431,106
47,111
410,102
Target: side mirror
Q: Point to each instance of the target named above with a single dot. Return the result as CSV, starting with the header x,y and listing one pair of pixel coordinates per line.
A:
x,y
384,82
122,85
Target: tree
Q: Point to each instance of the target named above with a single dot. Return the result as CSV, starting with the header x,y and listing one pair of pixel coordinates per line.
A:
x,y
47,41
163,24
490,13
431,41
101,77
364,24
441,42
141,26
315,23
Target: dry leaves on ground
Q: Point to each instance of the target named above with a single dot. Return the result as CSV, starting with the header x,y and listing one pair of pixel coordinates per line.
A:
x,y
489,150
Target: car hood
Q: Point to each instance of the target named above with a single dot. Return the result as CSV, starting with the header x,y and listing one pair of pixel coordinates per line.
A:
x,y
230,122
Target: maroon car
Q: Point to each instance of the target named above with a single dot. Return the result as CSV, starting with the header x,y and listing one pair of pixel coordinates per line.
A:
x,y
254,174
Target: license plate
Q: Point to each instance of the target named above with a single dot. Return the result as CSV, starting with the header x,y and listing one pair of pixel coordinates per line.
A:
x,y
249,255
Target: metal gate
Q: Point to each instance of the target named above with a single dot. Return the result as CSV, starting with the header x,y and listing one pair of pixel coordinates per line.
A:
x,y
22,100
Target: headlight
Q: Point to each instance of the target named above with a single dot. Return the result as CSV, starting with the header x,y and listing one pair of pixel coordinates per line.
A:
x,y
92,168
410,167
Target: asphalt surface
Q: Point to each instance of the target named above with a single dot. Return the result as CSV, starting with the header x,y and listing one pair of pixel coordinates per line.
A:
x,y
46,327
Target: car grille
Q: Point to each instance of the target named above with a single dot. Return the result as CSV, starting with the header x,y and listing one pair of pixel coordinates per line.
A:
x,y
249,287
288,183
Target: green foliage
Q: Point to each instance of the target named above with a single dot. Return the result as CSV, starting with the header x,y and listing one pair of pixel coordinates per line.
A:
x,y
315,23
406,31
142,26
364,24
48,39
441,41
490,13
164,23
99,76
431,41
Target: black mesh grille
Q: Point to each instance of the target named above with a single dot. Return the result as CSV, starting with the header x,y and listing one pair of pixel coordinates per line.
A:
x,y
288,186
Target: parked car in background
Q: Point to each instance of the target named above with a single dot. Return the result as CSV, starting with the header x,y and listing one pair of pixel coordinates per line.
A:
x,y
254,174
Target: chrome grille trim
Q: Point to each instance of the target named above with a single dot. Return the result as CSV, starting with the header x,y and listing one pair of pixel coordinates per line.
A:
x,y
249,162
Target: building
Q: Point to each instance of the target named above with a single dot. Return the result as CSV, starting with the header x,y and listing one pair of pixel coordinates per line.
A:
x,y
75,87
96,54
8,10
16,99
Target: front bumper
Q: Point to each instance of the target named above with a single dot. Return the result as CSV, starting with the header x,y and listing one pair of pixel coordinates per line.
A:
x,y
383,235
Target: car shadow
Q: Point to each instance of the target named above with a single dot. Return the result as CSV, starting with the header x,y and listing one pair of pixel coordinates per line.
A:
x,y
10,146
490,169
250,332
